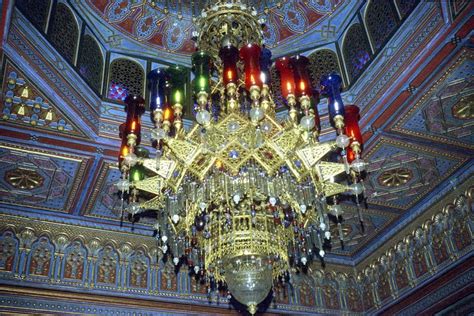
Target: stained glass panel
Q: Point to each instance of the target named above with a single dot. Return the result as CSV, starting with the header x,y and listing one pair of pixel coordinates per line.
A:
x,y
356,50
126,77
382,21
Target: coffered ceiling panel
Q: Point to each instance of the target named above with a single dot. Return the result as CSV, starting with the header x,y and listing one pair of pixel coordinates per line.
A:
x,y
39,178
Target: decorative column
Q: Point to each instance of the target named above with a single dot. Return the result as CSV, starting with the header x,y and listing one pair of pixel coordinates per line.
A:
x,y
61,243
94,247
26,237
125,251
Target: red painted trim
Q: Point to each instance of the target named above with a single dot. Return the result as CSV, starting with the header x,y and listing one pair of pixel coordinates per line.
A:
x,y
43,139
436,61
385,116
450,300
466,28
3,21
433,64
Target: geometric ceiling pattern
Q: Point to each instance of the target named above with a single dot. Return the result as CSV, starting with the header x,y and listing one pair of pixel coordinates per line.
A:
x,y
401,173
25,105
418,135
39,179
446,111
170,29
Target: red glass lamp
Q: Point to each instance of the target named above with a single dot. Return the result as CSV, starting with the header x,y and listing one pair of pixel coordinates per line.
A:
x,y
287,80
250,54
134,107
301,75
352,129
230,56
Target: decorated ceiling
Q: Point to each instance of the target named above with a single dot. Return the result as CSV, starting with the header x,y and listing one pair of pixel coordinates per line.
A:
x,y
60,110
168,25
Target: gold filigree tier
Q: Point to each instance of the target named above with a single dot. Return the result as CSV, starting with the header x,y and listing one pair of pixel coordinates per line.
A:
x,y
228,22
228,171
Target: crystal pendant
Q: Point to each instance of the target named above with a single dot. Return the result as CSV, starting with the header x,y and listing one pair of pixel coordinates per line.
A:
x,y
358,165
134,208
307,122
158,134
249,279
203,117
130,160
342,141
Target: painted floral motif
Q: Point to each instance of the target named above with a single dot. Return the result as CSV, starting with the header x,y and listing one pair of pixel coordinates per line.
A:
x,y
107,266
367,296
138,270
330,293
75,261
176,34
419,263
306,294
440,250
41,257
270,32
118,10
401,277
293,17
197,286
460,232
168,278
148,24
8,249
321,6
383,287
353,298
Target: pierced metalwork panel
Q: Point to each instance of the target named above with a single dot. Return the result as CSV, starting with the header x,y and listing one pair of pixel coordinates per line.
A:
x,y
63,32
356,50
90,62
382,21
37,11
39,179
322,62
128,74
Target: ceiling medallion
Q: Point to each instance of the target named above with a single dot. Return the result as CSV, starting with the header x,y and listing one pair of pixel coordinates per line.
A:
x,y
464,108
24,179
395,177
241,198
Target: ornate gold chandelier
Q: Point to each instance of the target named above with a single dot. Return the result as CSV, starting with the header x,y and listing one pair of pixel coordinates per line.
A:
x,y
241,198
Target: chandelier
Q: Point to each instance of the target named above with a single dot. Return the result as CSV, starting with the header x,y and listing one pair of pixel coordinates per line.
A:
x,y
241,198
